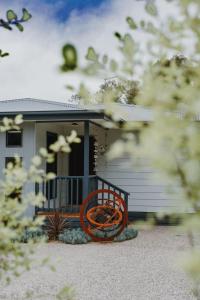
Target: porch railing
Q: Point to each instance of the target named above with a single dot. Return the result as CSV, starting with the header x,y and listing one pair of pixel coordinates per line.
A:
x,y
65,193
104,184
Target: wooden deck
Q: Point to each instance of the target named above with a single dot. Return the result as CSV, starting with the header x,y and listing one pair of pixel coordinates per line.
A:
x,y
65,215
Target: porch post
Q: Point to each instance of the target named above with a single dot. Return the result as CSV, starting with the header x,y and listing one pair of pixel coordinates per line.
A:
x,y
86,159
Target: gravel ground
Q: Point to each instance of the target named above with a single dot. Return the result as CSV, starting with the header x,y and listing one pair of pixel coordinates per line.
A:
x,y
141,269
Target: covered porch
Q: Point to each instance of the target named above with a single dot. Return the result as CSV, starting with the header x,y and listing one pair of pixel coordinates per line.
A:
x,y
66,195
77,172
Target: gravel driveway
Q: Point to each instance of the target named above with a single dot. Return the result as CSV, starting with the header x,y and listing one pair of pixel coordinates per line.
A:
x,y
141,269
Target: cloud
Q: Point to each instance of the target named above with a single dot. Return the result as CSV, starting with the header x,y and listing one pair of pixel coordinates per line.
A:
x,y
32,70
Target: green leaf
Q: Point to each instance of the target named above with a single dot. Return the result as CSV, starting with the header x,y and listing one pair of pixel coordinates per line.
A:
x,y
84,92
129,45
26,15
131,23
151,8
70,87
11,15
5,24
3,54
20,27
151,28
91,55
118,35
70,58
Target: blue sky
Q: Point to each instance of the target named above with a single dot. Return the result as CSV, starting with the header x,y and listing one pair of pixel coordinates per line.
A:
x,y
59,9
68,6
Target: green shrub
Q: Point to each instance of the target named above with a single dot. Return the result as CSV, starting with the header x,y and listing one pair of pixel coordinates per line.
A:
x,y
34,235
74,236
77,236
127,234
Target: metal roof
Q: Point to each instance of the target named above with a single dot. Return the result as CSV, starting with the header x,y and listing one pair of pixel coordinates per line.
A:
x,y
45,110
30,104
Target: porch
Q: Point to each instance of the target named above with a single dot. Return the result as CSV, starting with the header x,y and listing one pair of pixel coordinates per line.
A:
x,y
65,194
77,172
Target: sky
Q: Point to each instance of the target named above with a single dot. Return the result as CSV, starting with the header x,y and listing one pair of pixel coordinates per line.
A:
x,y
32,69
81,6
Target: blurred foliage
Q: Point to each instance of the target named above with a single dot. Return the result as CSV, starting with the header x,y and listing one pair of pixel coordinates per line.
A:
x,y
15,226
69,54
12,20
34,235
125,91
66,293
167,68
3,54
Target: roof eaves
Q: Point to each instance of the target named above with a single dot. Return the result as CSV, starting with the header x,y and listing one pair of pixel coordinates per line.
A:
x,y
57,115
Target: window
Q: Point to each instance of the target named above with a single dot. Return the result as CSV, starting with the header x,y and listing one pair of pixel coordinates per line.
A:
x,y
14,138
11,159
17,192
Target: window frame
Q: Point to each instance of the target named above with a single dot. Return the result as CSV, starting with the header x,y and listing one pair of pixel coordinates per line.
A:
x,y
14,146
12,158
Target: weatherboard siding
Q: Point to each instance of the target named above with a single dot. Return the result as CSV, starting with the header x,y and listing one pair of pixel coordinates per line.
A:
x,y
147,194
27,151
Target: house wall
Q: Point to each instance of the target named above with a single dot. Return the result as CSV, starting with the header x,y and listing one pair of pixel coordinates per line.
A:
x,y
27,151
147,193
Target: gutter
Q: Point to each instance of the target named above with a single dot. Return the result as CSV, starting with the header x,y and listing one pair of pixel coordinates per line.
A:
x,y
59,115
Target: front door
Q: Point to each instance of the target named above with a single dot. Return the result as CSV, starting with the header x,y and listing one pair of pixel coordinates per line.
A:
x,y
76,158
76,166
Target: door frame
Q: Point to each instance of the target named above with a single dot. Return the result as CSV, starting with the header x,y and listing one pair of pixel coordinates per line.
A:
x,y
51,191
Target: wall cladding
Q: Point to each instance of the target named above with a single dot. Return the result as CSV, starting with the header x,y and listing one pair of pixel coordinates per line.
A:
x,y
147,193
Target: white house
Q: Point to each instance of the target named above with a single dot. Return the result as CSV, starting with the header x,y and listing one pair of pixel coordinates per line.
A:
x,y
85,168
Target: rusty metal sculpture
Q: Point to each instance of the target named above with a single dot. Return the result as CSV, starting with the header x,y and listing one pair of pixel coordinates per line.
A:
x,y
103,215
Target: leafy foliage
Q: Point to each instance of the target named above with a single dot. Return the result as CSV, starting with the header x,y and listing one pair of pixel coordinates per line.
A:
x,y
69,54
66,293
74,236
15,227
55,225
131,23
35,235
170,87
13,20
91,54
3,54
121,91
